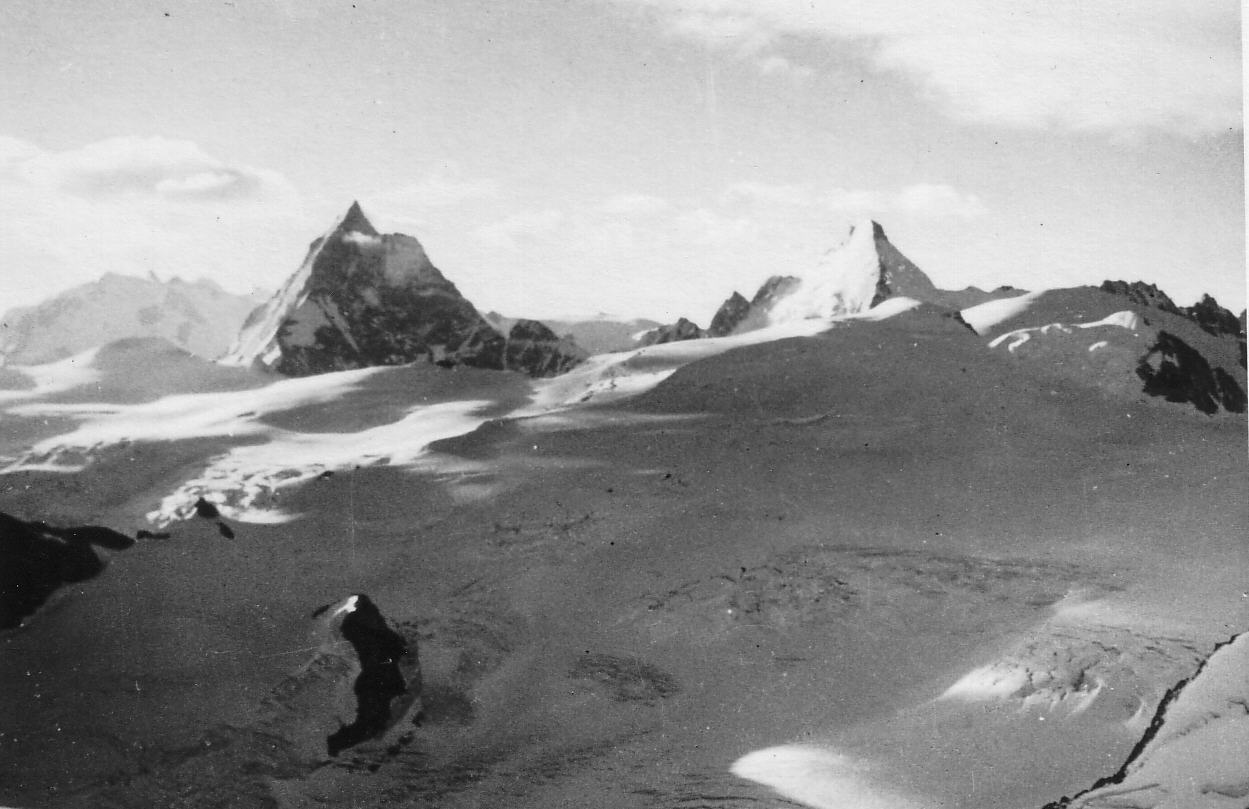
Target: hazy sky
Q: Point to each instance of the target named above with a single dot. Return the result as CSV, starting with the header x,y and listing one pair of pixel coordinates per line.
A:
x,y
640,157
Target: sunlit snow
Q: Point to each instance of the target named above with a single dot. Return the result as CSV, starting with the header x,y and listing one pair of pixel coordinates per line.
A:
x,y
55,377
985,316
818,778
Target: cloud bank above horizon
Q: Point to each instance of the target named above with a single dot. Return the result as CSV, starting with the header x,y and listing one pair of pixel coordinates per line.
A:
x,y
639,157
1111,67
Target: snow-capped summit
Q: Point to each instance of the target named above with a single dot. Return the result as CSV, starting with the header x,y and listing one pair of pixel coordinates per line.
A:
x,y
361,298
854,277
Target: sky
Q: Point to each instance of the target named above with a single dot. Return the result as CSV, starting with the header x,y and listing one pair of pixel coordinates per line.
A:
x,y
561,158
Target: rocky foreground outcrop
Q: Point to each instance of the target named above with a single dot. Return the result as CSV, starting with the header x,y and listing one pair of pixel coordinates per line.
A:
x,y
1192,754
362,298
37,558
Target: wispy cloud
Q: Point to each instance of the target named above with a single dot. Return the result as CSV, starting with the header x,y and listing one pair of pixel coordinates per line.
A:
x,y
929,200
671,257
134,205
1063,64
634,205
438,191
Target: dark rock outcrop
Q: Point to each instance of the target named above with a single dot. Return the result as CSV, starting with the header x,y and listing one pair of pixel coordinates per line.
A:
x,y
1143,294
730,314
683,329
362,299
1214,318
389,679
1206,313
534,349
1178,372
738,315
36,559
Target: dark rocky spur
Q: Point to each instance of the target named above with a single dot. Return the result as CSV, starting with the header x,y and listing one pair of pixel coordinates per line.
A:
x,y
37,558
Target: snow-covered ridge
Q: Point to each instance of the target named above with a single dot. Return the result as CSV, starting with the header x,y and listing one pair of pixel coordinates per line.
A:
x,y
608,377
246,482
864,271
257,340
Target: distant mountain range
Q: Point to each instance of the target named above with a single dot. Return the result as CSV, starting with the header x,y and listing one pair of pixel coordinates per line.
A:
x,y
198,316
361,298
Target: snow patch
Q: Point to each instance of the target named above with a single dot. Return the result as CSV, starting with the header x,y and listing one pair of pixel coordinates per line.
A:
x,y
247,483
983,317
55,377
1124,320
610,377
1014,339
818,778
172,418
362,239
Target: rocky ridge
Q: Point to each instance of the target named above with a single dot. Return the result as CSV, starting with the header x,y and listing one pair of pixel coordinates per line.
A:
x,y
866,270
362,298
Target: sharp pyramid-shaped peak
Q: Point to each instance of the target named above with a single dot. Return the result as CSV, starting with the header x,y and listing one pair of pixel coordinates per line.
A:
x,y
355,220
865,270
866,226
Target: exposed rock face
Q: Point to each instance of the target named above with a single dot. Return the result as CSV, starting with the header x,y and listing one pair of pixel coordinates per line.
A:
x,y
1206,313
388,684
730,314
362,299
1214,318
1178,372
598,335
536,350
36,559
860,274
673,332
199,317
1143,294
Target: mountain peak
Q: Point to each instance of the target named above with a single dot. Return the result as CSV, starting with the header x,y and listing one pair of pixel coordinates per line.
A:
x,y
355,220
869,226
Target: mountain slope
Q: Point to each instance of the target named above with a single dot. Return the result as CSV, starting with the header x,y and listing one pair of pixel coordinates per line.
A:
x,y
1121,343
864,271
199,317
362,299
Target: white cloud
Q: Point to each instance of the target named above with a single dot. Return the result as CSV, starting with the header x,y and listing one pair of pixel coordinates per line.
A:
x,y
438,191
136,205
669,258
519,230
921,199
775,65
634,205
1115,66
926,199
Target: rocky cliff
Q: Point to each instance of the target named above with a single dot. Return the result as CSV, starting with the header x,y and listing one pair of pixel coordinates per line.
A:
x,y
362,299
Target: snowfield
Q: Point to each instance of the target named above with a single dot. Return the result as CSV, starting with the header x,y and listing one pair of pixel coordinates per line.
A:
x,y
819,778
